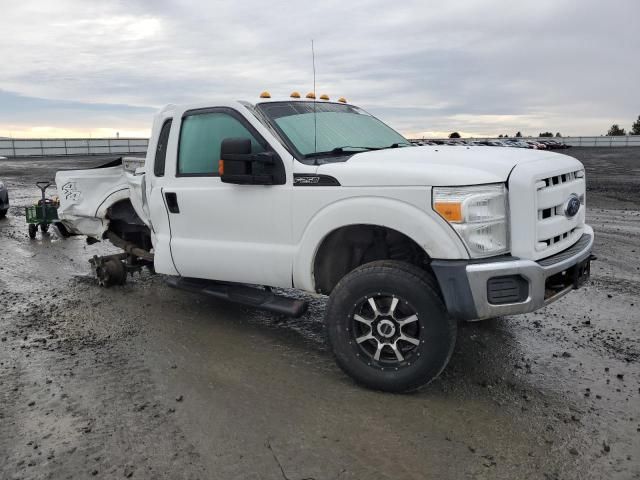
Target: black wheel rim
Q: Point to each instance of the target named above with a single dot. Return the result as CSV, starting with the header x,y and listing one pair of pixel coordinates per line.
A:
x,y
386,331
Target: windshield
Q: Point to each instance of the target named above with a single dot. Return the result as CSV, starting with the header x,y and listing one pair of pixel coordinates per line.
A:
x,y
339,129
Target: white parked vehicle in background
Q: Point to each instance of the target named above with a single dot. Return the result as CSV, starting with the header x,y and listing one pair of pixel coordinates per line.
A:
x,y
234,198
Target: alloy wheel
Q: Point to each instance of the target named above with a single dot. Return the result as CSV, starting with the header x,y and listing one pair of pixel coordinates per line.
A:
x,y
385,331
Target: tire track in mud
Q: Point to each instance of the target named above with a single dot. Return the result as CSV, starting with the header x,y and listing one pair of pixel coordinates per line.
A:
x,y
76,400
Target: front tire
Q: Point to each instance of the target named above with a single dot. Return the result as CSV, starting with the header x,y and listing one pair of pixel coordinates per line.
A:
x,y
388,326
33,229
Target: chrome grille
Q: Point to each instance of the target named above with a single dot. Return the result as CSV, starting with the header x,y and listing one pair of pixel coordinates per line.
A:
x,y
553,228
562,178
538,191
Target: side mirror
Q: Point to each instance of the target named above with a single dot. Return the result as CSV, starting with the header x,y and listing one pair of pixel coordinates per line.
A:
x,y
238,165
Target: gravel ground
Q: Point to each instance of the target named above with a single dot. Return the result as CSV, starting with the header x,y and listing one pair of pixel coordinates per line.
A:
x,y
143,381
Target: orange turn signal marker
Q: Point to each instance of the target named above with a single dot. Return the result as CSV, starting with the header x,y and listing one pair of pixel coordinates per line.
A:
x,y
311,95
324,96
295,95
265,94
221,167
342,100
451,212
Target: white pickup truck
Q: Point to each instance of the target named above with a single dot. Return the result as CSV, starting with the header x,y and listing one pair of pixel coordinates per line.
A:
x,y
234,198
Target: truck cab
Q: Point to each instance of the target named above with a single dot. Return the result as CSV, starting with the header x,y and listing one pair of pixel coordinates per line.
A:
x,y
322,196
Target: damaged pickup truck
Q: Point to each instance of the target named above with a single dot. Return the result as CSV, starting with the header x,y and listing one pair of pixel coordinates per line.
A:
x,y
234,198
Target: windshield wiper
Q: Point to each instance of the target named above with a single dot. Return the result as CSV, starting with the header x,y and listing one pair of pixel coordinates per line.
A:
x,y
338,150
344,148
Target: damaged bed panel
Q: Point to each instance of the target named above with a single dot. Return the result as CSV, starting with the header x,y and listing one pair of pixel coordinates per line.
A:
x,y
86,195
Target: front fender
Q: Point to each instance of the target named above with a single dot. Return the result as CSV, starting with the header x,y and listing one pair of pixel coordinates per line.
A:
x,y
426,228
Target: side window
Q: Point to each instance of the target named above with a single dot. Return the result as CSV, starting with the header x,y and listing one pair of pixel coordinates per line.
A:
x,y
161,149
200,138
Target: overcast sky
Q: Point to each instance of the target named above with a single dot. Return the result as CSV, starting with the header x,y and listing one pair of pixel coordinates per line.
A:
x,y
83,67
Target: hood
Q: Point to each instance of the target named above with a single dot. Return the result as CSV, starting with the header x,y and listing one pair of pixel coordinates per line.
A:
x,y
439,165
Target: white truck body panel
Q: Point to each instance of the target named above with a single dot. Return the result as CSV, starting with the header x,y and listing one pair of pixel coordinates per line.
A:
x,y
440,165
243,232
158,214
318,211
86,194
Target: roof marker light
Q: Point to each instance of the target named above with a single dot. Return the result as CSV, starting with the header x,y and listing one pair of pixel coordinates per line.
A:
x,y
295,95
311,95
342,100
324,96
265,94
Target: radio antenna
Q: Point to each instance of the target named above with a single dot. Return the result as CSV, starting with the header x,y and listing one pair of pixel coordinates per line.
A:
x,y
315,123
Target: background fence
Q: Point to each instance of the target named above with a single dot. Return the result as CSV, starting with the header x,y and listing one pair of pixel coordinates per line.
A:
x,y
621,141
40,147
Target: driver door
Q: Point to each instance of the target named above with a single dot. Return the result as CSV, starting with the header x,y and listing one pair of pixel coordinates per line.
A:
x,y
222,231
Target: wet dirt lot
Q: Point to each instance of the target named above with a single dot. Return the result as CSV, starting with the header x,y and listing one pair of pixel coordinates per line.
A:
x,y
143,381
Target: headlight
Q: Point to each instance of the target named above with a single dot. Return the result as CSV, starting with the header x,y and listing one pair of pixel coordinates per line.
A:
x,y
478,214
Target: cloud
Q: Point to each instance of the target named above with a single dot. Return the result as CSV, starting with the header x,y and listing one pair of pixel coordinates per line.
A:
x,y
424,66
22,116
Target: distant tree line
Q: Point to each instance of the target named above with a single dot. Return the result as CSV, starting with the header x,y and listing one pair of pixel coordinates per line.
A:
x,y
616,131
549,134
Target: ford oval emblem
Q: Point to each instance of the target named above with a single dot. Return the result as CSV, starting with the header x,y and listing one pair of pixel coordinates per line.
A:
x,y
572,206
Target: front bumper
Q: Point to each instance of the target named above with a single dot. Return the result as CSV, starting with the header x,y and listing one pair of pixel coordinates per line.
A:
x,y
508,285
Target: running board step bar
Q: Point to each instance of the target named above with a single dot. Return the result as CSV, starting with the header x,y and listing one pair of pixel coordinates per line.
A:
x,y
243,294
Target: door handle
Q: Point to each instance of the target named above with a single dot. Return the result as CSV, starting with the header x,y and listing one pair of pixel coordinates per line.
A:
x,y
172,202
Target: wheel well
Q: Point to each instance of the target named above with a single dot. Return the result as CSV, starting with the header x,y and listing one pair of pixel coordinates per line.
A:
x,y
126,224
348,247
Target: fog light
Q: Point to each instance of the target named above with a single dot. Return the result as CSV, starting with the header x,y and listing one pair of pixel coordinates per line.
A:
x,y
507,289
